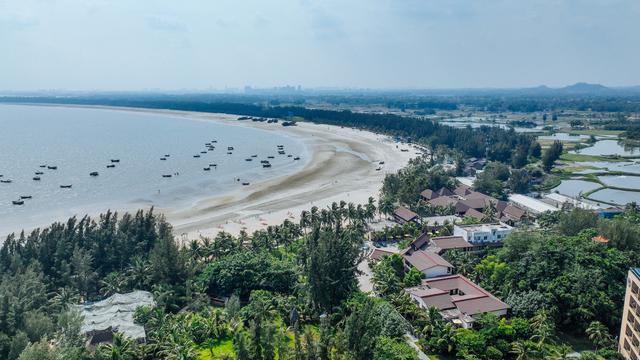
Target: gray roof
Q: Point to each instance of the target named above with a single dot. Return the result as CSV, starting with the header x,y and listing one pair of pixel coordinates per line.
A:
x,y
116,312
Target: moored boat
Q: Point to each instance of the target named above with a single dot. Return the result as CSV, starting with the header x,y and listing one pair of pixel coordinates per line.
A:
x,y
296,158
36,178
245,183
167,175
52,167
163,158
93,173
65,186
39,173
17,202
196,156
115,160
206,169
5,181
267,165
110,166
25,197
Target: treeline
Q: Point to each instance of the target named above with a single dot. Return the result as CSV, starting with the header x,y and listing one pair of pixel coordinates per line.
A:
x,y
498,144
291,290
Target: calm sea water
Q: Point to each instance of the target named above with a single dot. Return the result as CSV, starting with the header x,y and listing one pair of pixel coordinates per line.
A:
x,y
80,141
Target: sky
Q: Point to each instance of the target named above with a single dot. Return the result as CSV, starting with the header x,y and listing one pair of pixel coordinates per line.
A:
x,y
379,44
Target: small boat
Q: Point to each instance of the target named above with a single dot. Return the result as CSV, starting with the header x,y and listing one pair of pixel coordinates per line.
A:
x,y
214,141
115,160
93,173
167,155
245,183
264,161
5,181
39,173
214,165
52,167
296,158
206,169
203,152
196,156
266,165
18,202
270,157
65,186
25,197
230,148
167,175
381,163
254,156
248,159
43,166
208,144
110,166
289,155
1,175
378,168
36,178
281,152
163,158
229,153
280,146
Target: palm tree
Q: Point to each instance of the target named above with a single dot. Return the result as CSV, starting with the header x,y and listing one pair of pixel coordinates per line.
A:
x,y
120,348
386,206
561,353
139,273
524,350
598,334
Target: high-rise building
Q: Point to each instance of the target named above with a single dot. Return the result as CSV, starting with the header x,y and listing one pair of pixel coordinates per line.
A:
x,y
629,345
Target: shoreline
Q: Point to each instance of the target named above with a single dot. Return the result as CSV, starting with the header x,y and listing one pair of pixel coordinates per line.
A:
x,y
342,167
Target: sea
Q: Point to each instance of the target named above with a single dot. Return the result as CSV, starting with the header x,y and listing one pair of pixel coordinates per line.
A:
x,y
81,140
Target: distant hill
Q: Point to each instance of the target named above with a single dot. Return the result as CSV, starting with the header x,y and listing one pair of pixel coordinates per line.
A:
x,y
584,88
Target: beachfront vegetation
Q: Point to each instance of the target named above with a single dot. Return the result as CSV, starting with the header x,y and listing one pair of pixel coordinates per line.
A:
x,y
291,290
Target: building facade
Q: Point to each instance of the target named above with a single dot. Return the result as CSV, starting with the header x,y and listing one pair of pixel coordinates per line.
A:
x,y
629,343
483,234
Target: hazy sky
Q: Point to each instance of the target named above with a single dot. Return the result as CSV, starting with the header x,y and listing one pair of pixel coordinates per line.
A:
x,y
202,44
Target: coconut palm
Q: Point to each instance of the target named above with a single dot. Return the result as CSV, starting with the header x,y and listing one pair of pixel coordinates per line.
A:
x,y
120,348
598,334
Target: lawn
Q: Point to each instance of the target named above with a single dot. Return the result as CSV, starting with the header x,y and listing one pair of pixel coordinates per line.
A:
x,y
217,351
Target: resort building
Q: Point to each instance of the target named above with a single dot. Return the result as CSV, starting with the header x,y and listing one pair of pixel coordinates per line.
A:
x,y
629,340
483,234
402,215
442,244
531,205
429,263
458,299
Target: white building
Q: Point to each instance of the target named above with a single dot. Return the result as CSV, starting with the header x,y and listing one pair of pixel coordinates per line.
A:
x,y
531,205
479,234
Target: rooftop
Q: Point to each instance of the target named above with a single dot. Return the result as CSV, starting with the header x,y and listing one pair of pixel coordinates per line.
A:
x,y
484,227
457,292
405,214
450,242
424,260
116,312
531,203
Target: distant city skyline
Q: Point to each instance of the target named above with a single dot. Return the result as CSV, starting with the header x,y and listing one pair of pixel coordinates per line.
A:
x,y
119,45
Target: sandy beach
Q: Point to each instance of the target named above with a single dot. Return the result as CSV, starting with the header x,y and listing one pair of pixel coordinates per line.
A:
x,y
343,167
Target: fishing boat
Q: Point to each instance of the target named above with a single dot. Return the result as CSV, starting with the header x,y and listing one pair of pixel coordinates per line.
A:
x,y
296,158
65,186
229,153
110,166
18,202
378,168
115,160
289,155
166,175
214,141
266,165
230,148
254,155
281,152
248,159
245,183
264,161
381,163
93,173
52,167
25,197
43,166
206,169
163,158
167,155
203,152
39,173
36,178
270,157
196,156
214,165
5,181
